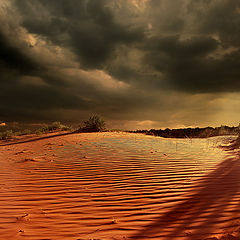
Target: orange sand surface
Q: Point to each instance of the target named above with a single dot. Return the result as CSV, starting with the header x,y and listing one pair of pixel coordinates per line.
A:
x,y
118,186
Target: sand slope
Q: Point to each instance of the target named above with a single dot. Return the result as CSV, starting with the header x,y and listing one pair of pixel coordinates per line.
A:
x,y
118,186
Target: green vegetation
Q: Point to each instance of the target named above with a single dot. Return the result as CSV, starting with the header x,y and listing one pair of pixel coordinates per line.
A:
x,y
93,124
191,132
55,126
7,134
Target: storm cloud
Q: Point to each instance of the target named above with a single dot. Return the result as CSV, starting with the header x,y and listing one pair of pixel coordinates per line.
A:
x,y
164,63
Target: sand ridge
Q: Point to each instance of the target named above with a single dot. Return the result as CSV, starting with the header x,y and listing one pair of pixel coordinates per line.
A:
x,y
118,186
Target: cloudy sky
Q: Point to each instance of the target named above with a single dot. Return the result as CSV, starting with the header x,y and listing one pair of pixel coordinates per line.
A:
x,y
137,63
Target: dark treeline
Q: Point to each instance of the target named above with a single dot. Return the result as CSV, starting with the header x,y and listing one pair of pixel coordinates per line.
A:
x,y
191,132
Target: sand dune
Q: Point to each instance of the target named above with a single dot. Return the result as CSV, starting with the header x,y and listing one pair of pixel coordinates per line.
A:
x,y
119,186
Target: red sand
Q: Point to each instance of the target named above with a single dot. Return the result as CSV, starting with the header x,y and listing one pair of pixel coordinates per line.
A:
x,y
118,186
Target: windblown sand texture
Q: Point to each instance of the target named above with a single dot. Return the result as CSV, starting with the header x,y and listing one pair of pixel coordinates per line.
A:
x,y
118,186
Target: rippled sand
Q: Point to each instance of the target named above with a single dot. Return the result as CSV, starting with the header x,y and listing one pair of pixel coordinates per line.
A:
x,y
118,186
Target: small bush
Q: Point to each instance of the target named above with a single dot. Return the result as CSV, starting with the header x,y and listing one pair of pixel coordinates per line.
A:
x,y
6,135
94,124
24,132
53,127
39,131
58,126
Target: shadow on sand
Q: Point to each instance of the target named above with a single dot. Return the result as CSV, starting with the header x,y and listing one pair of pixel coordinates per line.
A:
x,y
212,208
36,139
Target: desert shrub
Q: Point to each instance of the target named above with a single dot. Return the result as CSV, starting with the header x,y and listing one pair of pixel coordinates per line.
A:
x,y
39,131
8,134
94,124
24,132
58,126
52,127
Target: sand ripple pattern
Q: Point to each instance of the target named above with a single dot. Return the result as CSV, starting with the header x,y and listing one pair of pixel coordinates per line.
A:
x,y
118,186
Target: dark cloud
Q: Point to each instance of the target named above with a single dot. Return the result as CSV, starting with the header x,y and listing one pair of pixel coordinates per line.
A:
x,y
123,59
87,27
218,17
188,65
12,57
172,46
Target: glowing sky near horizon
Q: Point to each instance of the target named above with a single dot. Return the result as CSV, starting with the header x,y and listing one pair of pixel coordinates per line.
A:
x,y
137,63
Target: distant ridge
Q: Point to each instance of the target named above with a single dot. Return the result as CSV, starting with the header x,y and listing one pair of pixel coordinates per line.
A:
x,y
192,132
